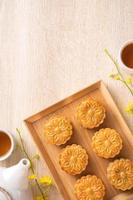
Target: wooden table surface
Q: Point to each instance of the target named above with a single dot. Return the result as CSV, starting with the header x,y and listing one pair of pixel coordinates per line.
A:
x,y
50,49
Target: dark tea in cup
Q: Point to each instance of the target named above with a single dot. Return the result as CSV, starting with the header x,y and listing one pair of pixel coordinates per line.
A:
x,y
6,144
127,55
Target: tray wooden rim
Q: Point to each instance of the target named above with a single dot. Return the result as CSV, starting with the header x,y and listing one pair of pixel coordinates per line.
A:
x,y
51,109
63,102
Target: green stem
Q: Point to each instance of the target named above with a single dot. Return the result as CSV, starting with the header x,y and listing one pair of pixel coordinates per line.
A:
x,y
31,165
118,70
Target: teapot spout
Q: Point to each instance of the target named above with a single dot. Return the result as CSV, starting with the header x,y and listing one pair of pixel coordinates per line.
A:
x,y
16,177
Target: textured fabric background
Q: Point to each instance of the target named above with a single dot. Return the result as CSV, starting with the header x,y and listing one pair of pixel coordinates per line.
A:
x,y
50,49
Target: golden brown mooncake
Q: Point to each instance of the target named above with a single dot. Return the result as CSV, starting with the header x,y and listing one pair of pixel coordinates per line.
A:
x,y
58,130
120,174
89,188
107,143
90,113
73,159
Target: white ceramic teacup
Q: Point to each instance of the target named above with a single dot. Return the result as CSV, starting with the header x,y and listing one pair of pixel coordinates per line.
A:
x,y
123,65
10,151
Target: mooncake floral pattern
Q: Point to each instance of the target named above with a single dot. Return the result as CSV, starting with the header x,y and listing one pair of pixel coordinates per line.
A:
x,y
120,174
89,188
90,113
58,130
107,143
73,159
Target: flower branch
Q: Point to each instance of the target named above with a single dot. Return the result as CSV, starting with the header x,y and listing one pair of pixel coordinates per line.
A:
x,y
40,182
128,82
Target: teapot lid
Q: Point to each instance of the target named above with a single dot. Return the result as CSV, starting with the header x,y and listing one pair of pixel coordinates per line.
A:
x,y
4,195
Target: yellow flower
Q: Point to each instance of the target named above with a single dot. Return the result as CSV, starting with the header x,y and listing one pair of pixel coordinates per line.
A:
x,y
32,177
115,76
41,198
129,80
36,157
129,108
47,180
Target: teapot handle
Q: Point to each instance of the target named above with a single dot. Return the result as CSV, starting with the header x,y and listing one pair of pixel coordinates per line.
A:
x,y
7,195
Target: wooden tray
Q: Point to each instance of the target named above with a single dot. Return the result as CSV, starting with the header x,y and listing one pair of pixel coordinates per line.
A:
x,y
81,136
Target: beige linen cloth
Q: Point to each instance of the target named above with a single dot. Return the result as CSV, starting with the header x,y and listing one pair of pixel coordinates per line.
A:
x,y
50,49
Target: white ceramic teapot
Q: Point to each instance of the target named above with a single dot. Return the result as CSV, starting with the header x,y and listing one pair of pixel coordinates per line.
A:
x,y
14,182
